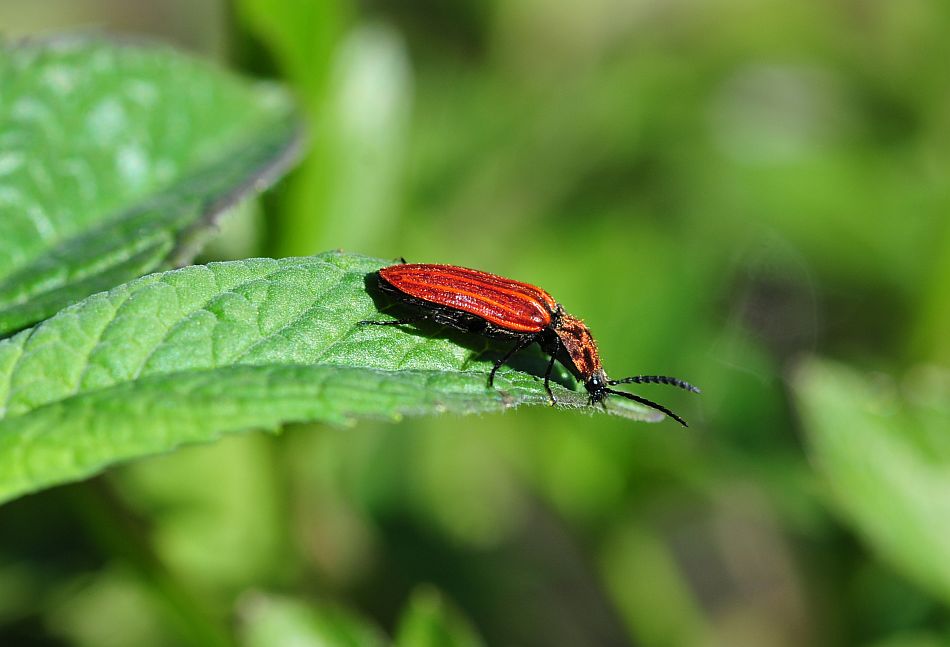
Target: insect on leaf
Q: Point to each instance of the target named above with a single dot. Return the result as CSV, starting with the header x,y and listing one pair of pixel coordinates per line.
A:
x,y
188,355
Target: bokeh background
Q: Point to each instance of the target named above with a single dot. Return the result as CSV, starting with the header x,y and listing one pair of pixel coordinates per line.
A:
x,y
724,189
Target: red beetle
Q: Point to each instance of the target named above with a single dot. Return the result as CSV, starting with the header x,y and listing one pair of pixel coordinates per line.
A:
x,y
491,305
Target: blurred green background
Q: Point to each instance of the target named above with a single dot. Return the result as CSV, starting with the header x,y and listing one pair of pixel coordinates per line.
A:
x,y
723,189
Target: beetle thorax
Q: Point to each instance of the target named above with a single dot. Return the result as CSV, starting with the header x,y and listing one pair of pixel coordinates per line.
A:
x,y
579,344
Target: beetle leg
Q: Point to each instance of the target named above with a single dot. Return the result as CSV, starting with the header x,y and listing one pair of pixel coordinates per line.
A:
x,y
521,343
547,380
394,322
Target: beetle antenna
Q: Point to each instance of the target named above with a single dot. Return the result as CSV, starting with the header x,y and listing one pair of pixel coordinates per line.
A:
x,y
649,403
656,379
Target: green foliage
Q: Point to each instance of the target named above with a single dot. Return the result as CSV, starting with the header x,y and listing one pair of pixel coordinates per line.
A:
x,y
355,85
301,35
114,159
427,621
887,463
718,188
269,621
430,621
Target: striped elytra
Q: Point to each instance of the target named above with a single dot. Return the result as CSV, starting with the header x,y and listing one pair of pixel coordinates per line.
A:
x,y
483,303
512,305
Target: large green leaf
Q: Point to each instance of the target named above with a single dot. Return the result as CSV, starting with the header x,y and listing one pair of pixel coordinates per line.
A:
x,y
187,355
114,158
887,463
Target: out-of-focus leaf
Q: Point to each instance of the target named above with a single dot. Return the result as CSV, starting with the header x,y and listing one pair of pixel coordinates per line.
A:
x,y
650,591
269,621
353,180
301,34
888,466
913,639
187,355
228,531
136,619
429,621
355,84
114,158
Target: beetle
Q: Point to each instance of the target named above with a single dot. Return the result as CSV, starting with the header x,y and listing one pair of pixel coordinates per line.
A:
x,y
495,306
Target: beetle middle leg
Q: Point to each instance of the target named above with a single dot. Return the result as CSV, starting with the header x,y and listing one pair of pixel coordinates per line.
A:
x,y
521,343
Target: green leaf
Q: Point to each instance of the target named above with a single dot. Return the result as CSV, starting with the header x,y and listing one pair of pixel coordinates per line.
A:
x,y
648,587
269,621
187,355
114,158
355,83
429,621
887,464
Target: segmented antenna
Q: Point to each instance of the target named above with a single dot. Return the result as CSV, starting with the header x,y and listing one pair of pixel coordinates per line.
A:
x,y
649,403
656,379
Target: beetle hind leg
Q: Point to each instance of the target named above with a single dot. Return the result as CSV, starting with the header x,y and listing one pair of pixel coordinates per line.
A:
x,y
388,322
547,381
